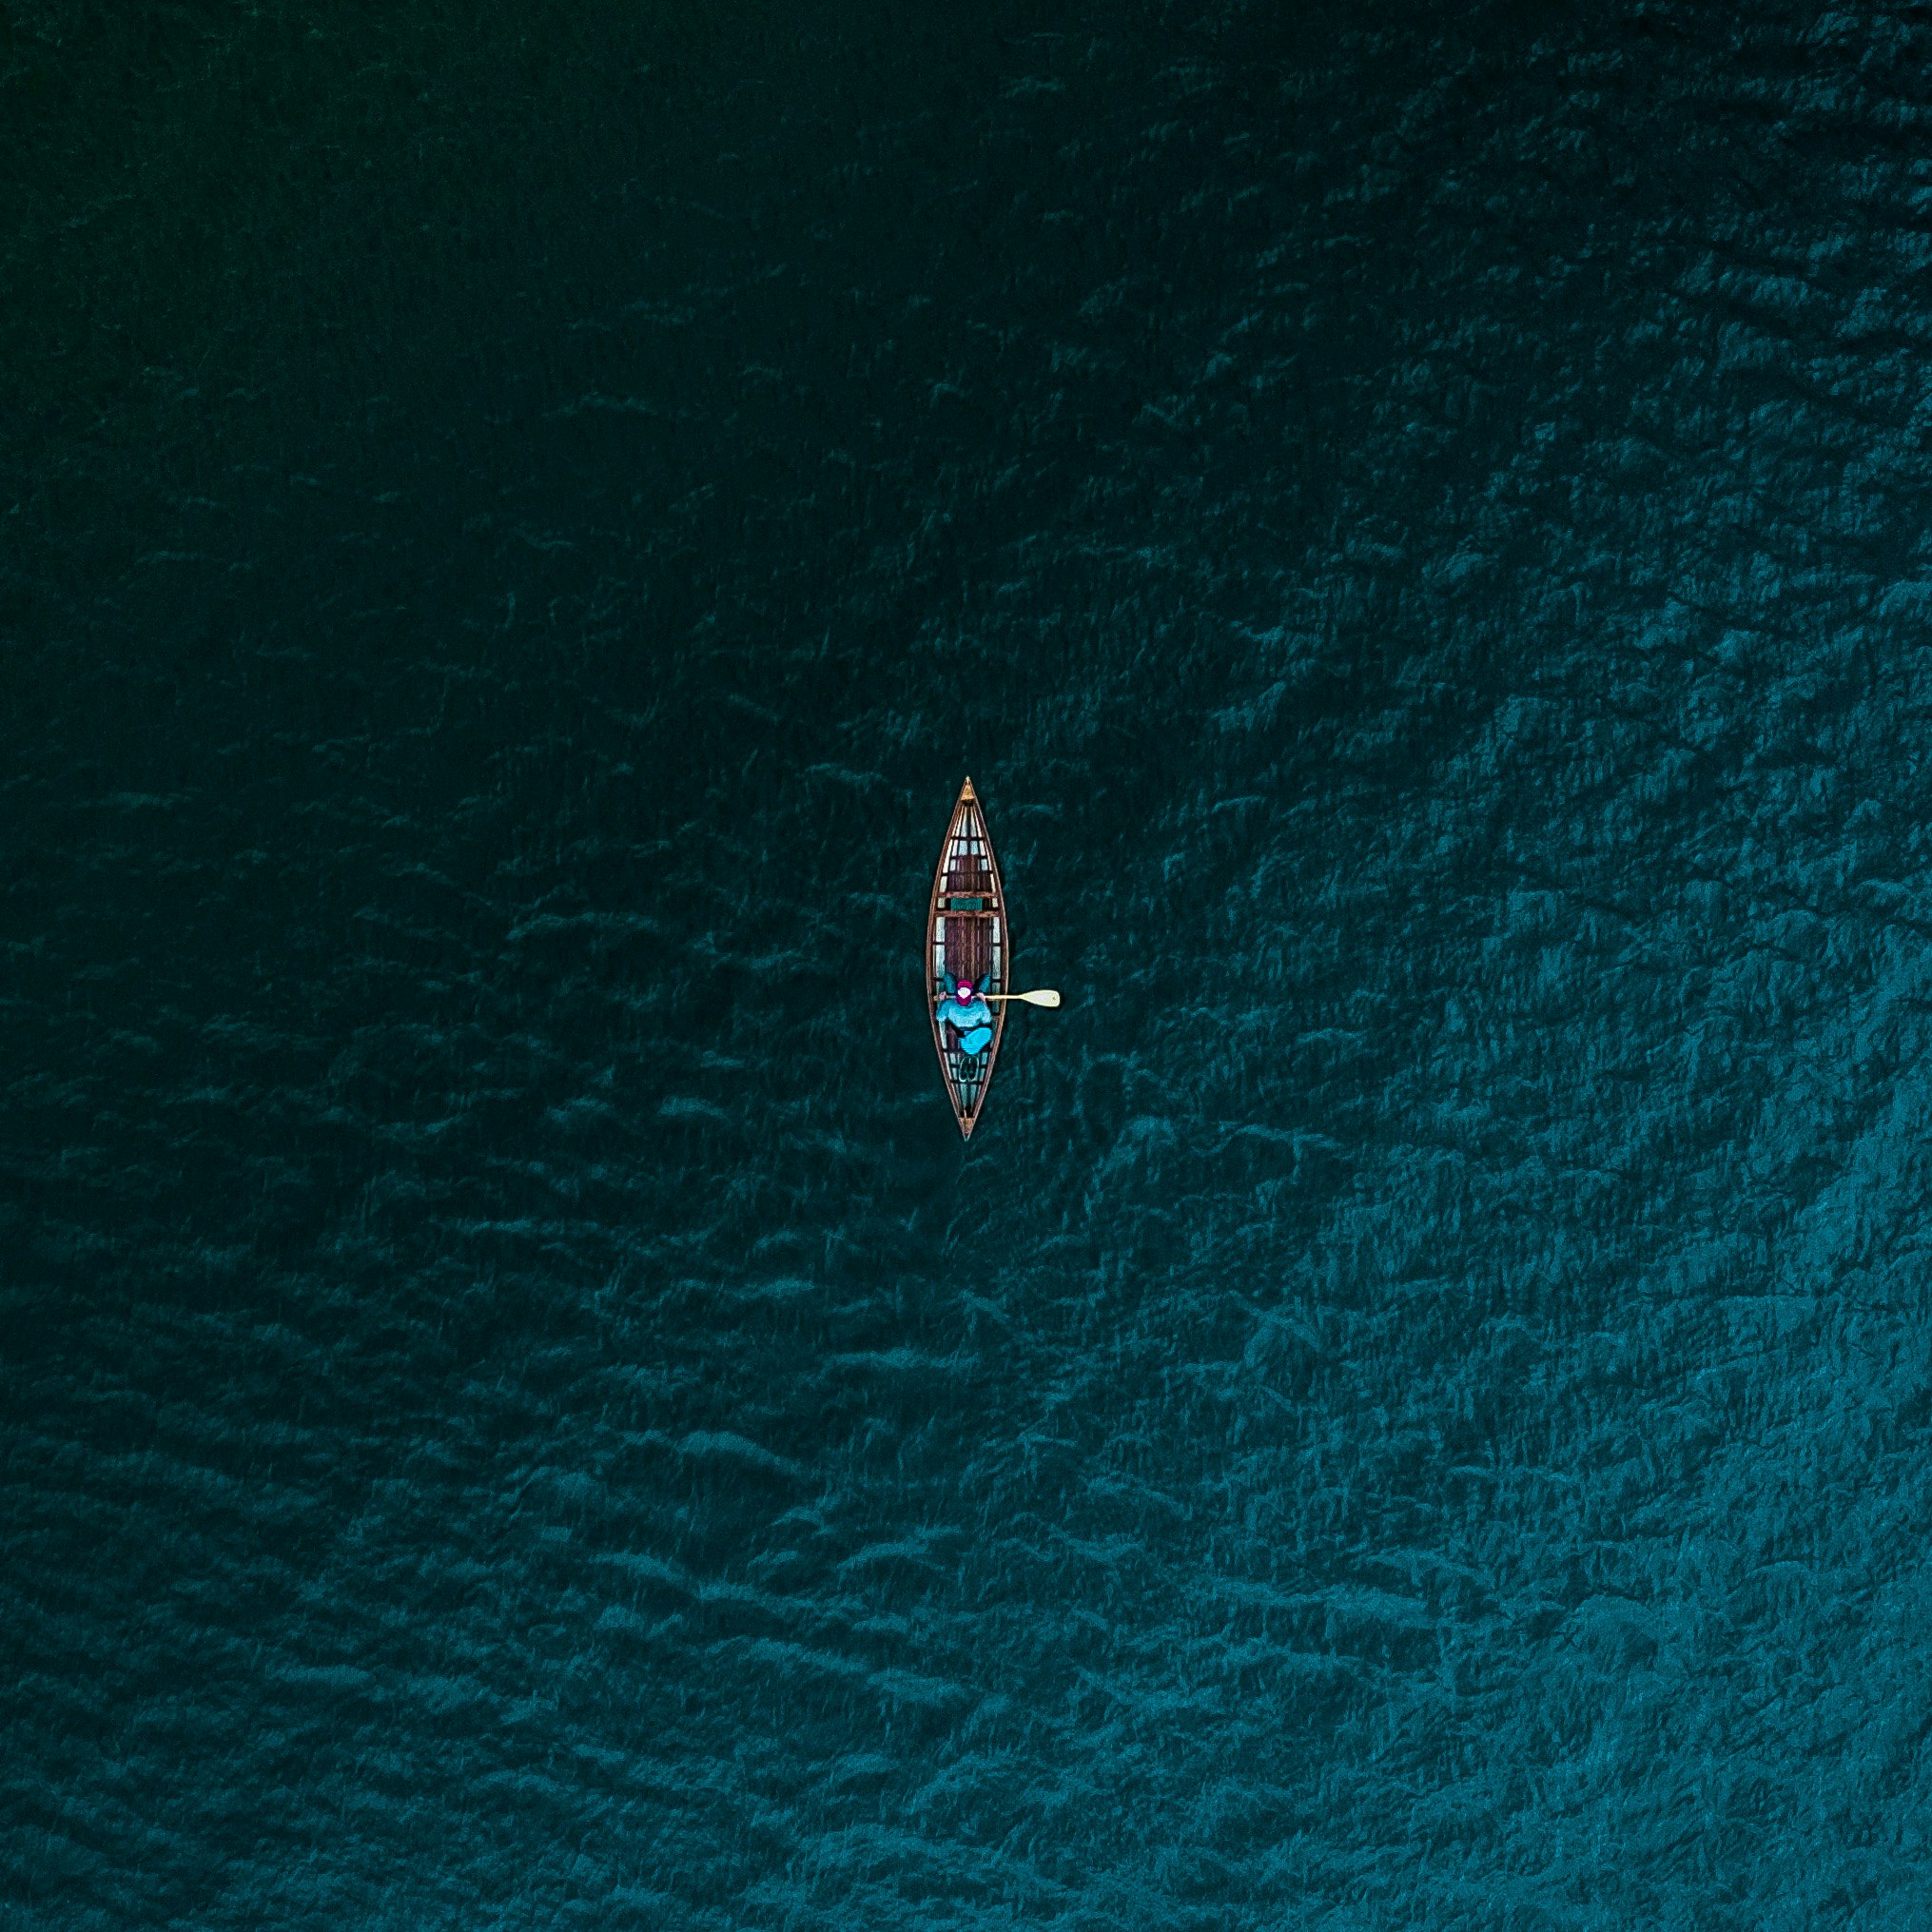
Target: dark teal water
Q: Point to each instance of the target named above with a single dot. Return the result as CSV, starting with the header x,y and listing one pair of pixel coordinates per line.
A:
x,y
515,1407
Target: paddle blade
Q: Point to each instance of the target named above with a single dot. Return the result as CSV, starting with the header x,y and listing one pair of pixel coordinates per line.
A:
x,y
1046,996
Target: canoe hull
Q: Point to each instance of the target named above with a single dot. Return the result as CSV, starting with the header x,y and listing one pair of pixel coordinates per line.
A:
x,y
965,936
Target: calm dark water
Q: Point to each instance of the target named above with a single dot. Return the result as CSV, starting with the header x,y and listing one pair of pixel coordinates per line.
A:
x,y
515,1407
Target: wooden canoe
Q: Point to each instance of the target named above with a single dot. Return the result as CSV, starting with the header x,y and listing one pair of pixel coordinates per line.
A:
x,y
965,936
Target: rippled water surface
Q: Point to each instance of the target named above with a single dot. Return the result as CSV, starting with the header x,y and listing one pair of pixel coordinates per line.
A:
x,y
516,1405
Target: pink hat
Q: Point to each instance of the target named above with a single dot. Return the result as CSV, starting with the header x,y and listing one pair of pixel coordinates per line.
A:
x,y
964,992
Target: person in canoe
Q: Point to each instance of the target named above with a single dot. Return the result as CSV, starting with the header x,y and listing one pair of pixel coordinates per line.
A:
x,y
963,1006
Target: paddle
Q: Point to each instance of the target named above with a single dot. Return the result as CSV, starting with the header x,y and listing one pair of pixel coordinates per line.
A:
x,y
1045,997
